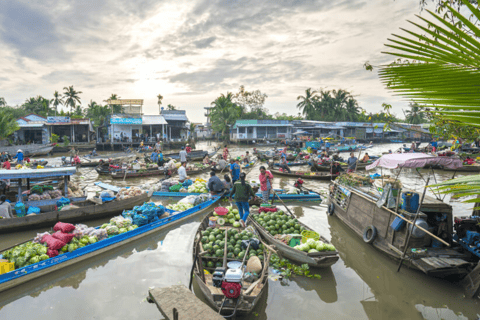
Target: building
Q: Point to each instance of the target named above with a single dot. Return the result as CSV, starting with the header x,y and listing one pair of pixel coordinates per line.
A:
x,y
38,129
247,130
129,128
177,124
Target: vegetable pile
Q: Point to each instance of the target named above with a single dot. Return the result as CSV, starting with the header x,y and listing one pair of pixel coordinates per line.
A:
x,y
213,241
278,223
231,218
180,206
315,246
118,225
198,187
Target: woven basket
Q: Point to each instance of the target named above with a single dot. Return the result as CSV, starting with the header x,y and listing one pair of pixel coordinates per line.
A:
x,y
254,265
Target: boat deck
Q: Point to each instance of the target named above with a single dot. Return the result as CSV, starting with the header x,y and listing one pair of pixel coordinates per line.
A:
x,y
186,304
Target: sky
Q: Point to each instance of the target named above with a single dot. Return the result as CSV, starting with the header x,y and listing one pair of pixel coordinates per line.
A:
x,y
192,51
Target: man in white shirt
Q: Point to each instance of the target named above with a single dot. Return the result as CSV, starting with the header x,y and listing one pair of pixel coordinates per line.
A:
x,y
183,155
182,173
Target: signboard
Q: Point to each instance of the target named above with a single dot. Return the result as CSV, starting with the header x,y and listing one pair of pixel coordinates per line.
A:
x,y
123,102
58,119
126,120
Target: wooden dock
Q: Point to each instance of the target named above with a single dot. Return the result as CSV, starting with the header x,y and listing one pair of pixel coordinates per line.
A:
x,y
186,304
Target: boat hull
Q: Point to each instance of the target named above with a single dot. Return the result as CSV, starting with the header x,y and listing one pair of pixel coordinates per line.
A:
x,y
30,150
313,177
74,215
321,260
25,274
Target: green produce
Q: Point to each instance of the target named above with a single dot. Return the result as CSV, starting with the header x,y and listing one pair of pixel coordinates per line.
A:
x,y
44,257
71,247
84,241
122,230
312,250
92,239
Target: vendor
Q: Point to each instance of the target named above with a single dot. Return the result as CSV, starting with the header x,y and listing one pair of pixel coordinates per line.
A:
x,y
246,159
206,160
242,191
284,165
365,158
227,182
234,170
336,168
5,208
352,162
214,184
76,160
160,160
94,152
154,157
19,156
188,149
182,173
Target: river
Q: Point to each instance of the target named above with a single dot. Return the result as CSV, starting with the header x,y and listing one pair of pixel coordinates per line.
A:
x,y
363,284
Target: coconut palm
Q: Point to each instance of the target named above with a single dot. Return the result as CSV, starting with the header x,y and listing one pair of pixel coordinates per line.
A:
x,y
71,97
8,124
306,104
57,100
415,114
224,114
352,110
443,71
3,103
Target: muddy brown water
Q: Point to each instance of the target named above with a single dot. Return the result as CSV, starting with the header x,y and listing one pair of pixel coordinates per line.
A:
x,y
363,284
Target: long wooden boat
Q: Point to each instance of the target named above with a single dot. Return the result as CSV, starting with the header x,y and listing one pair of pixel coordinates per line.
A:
x,y
198,171
195,155
310,196
30,150
87,211
33,163
465,168
358,209
214,295
317,167
293,164
22,275
136,174
313,175
316,259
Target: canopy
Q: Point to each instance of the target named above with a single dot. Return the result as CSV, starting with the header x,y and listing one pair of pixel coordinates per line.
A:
x,y
300,132
37,173
414,160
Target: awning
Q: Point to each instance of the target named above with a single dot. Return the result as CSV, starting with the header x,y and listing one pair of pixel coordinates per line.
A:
x,y
153,119
414,160
300,132
37,173
31,125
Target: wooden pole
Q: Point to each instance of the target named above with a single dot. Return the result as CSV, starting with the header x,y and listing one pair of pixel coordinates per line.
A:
x,y
409,233
401,217
275,194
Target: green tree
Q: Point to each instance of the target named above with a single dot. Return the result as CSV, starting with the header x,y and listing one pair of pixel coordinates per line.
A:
x,y
56,101
414,115
171,107
307,103
71,97
38,105
3,103
116,108
8,124
224,114
97,113
284,116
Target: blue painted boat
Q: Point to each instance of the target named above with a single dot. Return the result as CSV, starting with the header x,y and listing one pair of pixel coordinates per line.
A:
x,y
293,164
19,276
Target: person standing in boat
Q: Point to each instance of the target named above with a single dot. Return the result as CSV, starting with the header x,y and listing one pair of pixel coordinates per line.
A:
x,y
242,191
225,153
182,173
188,149
336,169
234,170
284,164
154,156
19,156
183,155
160,160
214,184
265,178
352,162
434,145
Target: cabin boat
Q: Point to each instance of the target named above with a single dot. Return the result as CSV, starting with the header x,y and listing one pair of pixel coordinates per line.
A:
x,y
356,206
49,215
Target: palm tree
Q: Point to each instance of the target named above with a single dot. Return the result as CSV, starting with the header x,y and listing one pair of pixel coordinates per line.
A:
x,y
97,112
415,114
352,109
224,114
116,108
71,97
57,100
306,104
3,103
8,124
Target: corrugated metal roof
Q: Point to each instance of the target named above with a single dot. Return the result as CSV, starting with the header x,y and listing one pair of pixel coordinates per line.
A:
x,y
31,125
153,119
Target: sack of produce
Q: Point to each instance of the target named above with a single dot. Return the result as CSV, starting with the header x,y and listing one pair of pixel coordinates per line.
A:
x,y
52,253
36,189
52,242
128,214
175,188
64,227
189,200
112,230
100,234
39,237
62,201
187,183
107,194
65,237
140,220
33,209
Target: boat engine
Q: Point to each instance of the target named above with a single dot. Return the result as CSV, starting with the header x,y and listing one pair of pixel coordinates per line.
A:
x,y
468,233
232,283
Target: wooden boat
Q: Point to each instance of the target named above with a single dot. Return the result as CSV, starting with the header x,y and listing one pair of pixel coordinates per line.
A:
x,y
465,168
316,259
317,167
313,175
359,211
195,155
33,163
30,150
214,295
293,164
22,275
136,173
196,171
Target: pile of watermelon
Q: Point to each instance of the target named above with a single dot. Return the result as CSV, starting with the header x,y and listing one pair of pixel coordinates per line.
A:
x,y
278,223
231,218
213,241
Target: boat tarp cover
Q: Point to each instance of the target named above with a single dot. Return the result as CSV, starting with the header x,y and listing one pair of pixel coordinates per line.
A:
x,y
414,160
37,173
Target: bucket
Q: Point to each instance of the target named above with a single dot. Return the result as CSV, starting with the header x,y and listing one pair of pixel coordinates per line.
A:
x,y
212,221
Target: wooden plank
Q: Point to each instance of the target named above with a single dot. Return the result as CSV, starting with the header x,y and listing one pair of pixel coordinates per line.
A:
x,y
185,302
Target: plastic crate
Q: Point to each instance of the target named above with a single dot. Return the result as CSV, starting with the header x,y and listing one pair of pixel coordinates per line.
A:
x,y
307,234
6,266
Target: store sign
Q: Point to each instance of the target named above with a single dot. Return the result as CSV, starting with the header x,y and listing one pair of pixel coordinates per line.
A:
x,y
58,119
126,120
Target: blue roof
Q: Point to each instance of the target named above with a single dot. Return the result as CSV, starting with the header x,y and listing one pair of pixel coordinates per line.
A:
x,y
37,173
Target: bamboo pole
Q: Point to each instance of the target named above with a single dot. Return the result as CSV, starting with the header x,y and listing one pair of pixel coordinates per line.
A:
x,y
401,217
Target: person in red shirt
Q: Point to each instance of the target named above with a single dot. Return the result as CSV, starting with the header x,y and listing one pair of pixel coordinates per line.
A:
x,y
265,178
188,148
6,165
76,160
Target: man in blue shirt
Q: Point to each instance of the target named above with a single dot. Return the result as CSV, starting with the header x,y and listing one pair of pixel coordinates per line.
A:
x,y
19,156
327,145
154,157
160,160
234,170
434,145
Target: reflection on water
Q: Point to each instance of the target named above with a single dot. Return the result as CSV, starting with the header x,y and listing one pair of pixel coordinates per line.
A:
x,y
363,284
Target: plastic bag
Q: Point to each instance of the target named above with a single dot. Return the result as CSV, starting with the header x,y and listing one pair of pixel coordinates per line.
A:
x,y
33,209
52,253
62,201
140,220
189,200
107,194
65,237
64,227
53,243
